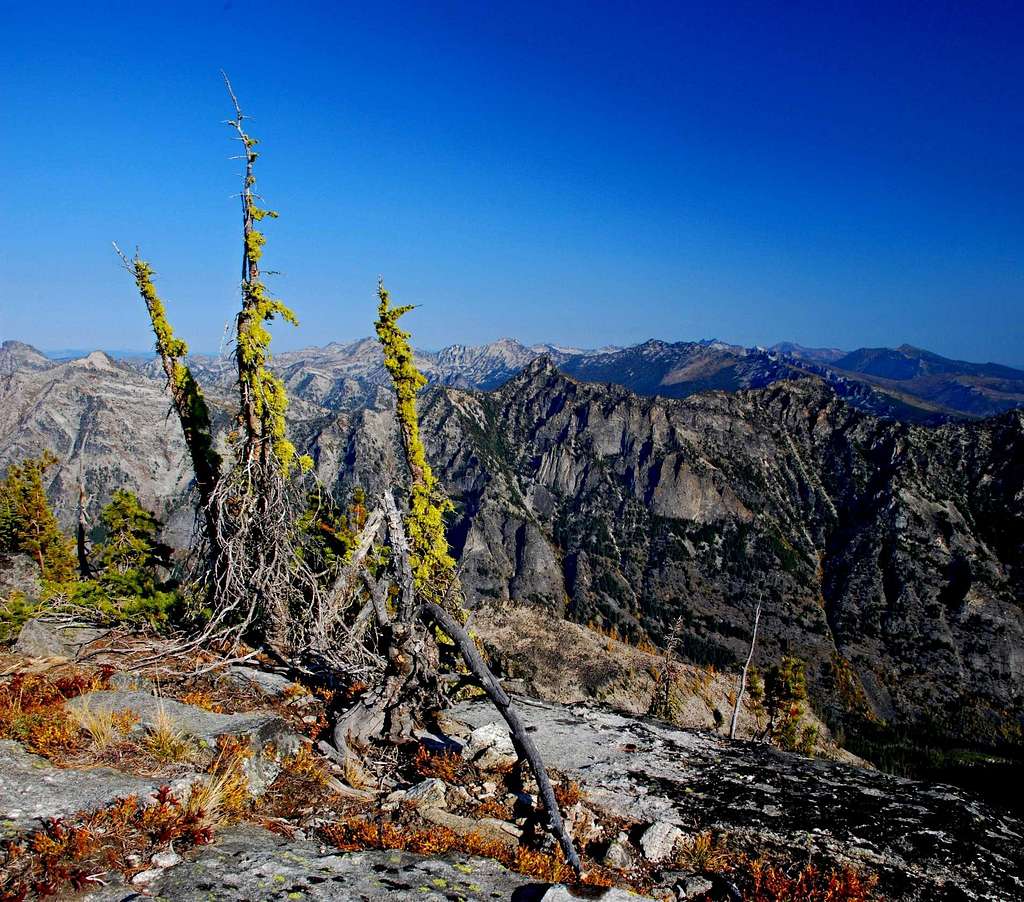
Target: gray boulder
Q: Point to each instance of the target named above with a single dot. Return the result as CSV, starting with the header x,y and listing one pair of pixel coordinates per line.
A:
x,y
40,638
659,840
264,731
31,788
429,793
250,864
490,747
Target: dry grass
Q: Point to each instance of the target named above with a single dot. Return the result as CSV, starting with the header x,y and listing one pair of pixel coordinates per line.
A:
x,y
704,854
104,727
222,797
166,741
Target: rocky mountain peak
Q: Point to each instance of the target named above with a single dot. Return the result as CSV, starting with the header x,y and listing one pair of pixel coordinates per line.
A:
x,y
16,355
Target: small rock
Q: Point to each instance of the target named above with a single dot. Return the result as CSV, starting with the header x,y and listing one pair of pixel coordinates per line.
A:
x,y
457,797
504,826
130,682
147,876
490,747
562,893
271,684
692,887
659,840
620,853
581,823
166,859
431,793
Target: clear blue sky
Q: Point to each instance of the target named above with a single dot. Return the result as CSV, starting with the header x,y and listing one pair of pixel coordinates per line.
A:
x,y
585,173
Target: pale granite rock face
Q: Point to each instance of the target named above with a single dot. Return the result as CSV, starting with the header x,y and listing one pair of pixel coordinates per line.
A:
x,y
32,789
926,841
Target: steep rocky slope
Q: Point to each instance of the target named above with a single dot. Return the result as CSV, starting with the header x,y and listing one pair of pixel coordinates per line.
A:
x,y
890,556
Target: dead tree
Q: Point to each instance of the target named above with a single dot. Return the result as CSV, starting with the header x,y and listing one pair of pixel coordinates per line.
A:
x,y
376,627
186,396
427,599
247,565
84,570
746,668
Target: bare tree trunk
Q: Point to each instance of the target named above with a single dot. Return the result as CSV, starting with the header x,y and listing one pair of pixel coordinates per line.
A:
x,y
84,570
410,690
746,667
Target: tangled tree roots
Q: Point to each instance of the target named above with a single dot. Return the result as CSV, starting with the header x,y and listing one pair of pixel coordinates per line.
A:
x,y
409,692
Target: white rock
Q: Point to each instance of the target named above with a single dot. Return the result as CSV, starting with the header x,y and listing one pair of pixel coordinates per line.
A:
x,y
490,746
166,859
147,876
659,840
620,853
562,893
692,887
430,793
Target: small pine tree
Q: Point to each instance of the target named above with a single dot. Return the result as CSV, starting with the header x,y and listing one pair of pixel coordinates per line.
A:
x,y
28,522
7,519
131,537
785,695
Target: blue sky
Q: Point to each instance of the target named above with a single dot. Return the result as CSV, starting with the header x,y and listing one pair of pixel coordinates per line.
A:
x,y
834,174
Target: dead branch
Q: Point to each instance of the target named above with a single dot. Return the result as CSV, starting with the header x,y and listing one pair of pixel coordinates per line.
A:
x,y
522,740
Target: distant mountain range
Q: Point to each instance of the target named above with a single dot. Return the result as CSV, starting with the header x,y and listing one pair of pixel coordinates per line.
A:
x,y
904,383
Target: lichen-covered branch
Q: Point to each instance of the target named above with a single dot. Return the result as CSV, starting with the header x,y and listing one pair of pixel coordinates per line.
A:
x,y
432,565
186,395
263,401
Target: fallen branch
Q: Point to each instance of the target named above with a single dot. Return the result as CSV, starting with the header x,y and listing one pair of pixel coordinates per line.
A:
x,y
522,740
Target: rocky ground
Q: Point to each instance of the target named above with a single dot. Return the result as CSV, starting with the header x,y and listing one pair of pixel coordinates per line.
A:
x,y
230,797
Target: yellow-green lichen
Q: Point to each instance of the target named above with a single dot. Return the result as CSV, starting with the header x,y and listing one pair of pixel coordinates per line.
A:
x,y
433,567
263,398
189,401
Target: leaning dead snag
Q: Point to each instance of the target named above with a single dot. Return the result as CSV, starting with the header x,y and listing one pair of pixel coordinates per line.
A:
x,y
746,668
186,395
522,740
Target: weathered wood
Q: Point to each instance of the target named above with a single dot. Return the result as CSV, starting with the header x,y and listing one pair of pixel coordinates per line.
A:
x,y
521,739
400,545
746,667
84,570
347,577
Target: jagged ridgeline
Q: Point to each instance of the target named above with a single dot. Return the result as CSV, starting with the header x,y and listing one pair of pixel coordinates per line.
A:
x,y
376,619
